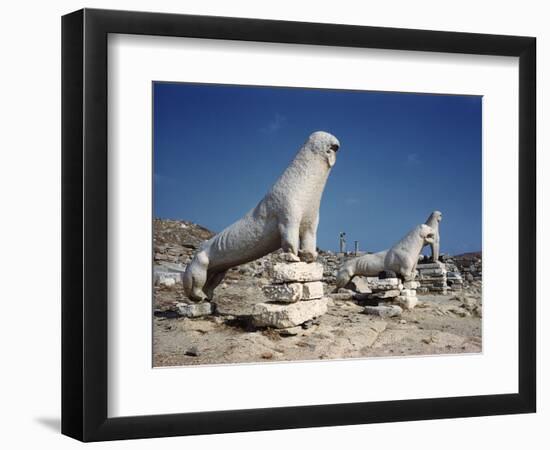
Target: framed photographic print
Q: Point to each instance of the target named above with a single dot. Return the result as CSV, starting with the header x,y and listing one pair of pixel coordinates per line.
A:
x,y
273,224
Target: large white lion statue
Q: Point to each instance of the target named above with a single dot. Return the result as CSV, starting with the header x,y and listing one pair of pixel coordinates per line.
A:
x,y
287,218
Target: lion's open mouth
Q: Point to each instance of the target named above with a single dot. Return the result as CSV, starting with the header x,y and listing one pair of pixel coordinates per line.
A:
x,y
334,147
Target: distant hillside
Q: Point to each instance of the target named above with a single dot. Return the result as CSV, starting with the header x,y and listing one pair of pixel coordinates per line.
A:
x,y
175,241
469,255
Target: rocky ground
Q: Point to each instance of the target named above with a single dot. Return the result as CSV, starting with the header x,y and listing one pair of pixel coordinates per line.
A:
x,y
440,324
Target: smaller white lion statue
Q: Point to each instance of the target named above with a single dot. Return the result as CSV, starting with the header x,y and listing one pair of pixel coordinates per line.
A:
x,y
401,258
433,221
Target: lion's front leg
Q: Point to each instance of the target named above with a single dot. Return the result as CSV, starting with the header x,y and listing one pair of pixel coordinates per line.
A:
x,y
435,250
290,239
308,241
409,274
414,271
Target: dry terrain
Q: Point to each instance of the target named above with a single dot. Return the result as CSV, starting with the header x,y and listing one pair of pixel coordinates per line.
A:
x,y
440,324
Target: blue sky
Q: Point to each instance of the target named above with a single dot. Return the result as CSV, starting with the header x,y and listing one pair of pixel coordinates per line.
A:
x,y
218,149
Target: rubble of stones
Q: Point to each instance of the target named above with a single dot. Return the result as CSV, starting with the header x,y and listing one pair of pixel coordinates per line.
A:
x,y
295,293
175,241
469,265
449,273
384,296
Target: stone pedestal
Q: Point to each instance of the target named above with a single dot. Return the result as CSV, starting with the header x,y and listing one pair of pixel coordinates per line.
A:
x,y
454,278
295,296
407,299
389,292
278,315
433,277
377,289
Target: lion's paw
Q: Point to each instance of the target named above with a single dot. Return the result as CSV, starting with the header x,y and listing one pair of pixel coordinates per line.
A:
x,y
289,257
307,256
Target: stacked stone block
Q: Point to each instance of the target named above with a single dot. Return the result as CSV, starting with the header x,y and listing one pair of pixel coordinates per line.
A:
x,y
470,268
391,294
454,278
432,277
384,289
295,295
407,298
167,279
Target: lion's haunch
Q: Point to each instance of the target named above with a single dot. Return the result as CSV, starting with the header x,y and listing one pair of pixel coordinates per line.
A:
x,y
366,265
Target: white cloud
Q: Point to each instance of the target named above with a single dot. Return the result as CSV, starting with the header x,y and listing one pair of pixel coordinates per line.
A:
x,y
351,201
275,124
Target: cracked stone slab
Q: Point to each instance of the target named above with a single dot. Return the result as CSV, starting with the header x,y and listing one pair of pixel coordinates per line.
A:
x,y
167,278
298,271
406,302
360,284
384,311
376,284
290,315
385,294
288,293
313,290
435,265
195,309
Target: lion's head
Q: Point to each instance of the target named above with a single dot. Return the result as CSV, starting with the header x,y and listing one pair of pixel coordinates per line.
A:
x,y
435,216
325,145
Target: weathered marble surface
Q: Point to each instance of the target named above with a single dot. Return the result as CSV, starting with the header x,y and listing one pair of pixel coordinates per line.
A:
x,y
278,315
300,271
401,258
288,293
287,217
195,310
366,265
433,222
313,290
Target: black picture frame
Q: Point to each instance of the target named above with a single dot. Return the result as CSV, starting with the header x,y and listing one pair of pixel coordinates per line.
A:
x,y
84,224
